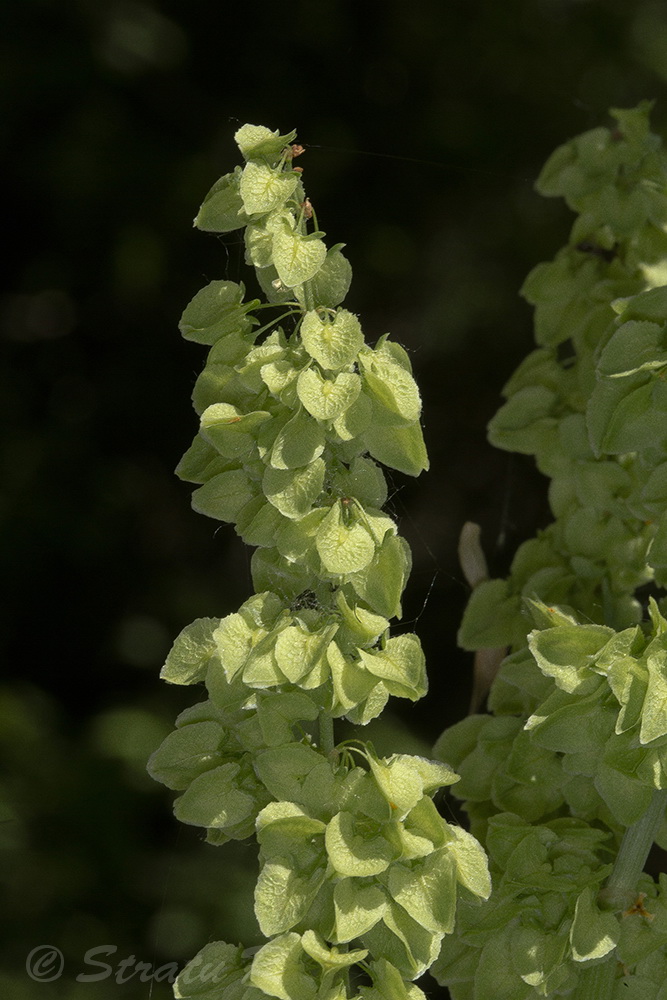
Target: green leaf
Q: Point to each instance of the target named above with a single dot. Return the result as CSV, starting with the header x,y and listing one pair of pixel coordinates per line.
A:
x,y
296,539
490,617
223,496
567,652
363,480
657,556
494,975
189,657
334,343
320,790
572,723
628,680
229,430
294,491
456,965
215,973
258,523
635,346
358,907
283,770
593,933
262,610
214,312
355,420
576,167
218,382
249,368
625,797
398,447
280,379
279,823
403,779
364,627
627,414
278,970
272,286
234,638
647,305
186,753
261,669
327,399
399,781
256,141
296,258
259,238
426,823
278,712
330,285
403,942
535,955
343,548
654,712
357,849
264,189
381,583
426,889
300,653
271,571
214,799
389,985
542,614
284,895
654,490
222,208
354,688
472,868
298,443
526,423
200,462
330,959
390,384
400,665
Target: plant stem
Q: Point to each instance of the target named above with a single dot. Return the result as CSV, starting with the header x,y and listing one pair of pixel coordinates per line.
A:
x,y
619,892
326,725
309,301
597,982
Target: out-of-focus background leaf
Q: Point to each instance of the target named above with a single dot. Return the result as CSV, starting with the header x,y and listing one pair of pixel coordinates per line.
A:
x,y
426,125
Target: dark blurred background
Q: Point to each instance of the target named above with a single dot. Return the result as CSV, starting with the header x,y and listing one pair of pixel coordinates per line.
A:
x,y
427,123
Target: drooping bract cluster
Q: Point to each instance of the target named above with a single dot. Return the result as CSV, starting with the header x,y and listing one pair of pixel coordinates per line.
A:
x,y
359,872
578,727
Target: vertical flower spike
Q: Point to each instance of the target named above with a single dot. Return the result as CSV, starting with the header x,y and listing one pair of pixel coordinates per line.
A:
x,y
296,411
565,782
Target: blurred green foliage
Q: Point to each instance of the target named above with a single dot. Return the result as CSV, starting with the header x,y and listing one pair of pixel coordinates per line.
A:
x,y
115,118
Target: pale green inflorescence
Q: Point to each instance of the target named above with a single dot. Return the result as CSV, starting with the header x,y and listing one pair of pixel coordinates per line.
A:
x,y
358,871
574,752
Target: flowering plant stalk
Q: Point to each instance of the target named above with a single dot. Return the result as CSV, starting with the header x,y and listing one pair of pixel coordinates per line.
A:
x,y
359,874
565,781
